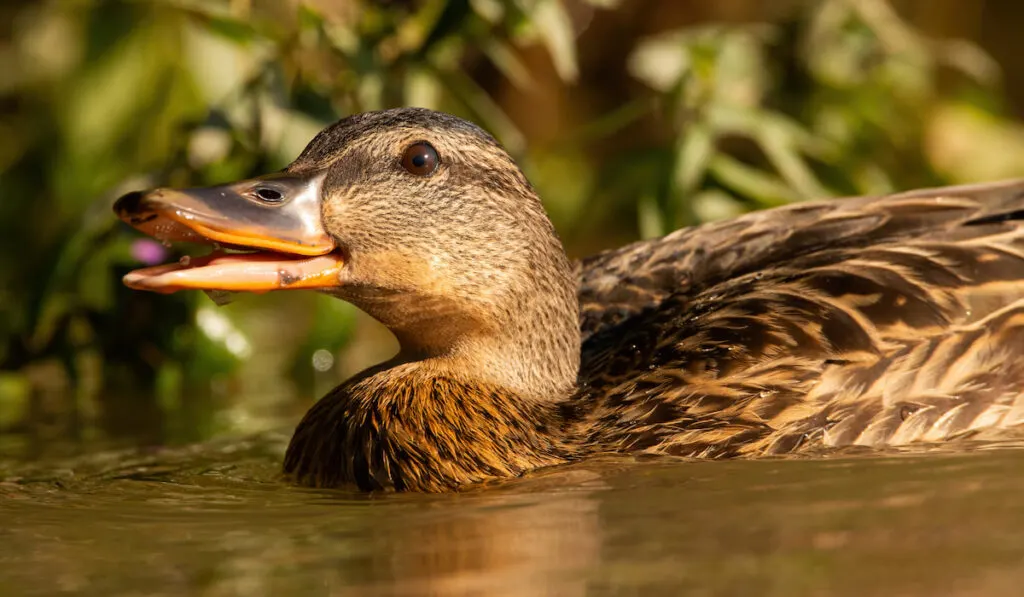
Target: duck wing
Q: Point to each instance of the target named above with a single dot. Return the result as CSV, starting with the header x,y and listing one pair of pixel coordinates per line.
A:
x,y
873,320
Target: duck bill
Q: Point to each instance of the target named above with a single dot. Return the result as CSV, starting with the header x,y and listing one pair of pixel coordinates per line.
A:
x,y
276,219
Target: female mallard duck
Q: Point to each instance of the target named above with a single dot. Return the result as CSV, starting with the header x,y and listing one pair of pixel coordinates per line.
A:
x,y
872,321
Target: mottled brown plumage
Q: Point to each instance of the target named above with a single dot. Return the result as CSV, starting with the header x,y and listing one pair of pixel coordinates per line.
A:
x,y
873,321
410,428
869,321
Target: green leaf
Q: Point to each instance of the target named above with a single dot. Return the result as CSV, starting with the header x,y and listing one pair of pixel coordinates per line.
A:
x,y
765,189
234,30
556,33
659,61
483,108
14,398
715,205
650,218
787,160
504,58
692,157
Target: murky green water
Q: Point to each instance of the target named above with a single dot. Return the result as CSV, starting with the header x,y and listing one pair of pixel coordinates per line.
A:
x,y
215,519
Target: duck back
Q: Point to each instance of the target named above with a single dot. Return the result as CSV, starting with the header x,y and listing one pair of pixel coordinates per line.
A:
x,y
863,321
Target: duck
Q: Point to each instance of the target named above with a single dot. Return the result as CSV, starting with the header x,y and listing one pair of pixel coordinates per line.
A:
x,y
867,321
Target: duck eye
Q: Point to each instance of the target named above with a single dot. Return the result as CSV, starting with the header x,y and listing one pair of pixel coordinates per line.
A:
x,y
420,159
269,195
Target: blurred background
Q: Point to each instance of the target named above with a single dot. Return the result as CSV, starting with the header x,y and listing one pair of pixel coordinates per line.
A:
x,y
631,117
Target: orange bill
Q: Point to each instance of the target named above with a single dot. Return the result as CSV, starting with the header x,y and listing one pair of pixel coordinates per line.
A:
x,y
274,220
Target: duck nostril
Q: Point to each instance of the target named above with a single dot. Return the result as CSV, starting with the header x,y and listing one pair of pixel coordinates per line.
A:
x,y
269,195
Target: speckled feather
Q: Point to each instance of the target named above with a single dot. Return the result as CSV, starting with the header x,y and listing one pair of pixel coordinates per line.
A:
x,y
404,430
870,321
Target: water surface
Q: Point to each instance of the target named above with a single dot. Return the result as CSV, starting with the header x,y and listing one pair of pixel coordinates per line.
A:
x,y
216,519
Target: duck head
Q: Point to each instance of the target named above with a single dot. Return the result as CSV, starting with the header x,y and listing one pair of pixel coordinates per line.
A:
x,y
419,218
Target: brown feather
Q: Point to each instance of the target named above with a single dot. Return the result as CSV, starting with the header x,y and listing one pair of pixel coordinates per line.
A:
x,y
864,321
868,321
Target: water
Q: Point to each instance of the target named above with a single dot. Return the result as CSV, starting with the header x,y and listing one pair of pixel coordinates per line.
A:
x,y
216,519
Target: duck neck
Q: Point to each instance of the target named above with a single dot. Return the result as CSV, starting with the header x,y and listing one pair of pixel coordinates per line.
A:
x,y
490,352
417,426
510,321
530,349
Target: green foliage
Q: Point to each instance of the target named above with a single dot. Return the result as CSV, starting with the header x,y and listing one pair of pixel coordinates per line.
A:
x,y
840,100
835,97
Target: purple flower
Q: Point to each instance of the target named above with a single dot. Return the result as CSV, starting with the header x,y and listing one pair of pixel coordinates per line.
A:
x,y
148,251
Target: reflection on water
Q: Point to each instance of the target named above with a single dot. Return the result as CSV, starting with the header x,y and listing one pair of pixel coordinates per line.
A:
x,y
216,519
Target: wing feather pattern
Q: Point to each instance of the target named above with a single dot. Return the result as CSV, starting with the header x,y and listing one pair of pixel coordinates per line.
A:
x,y
865,321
